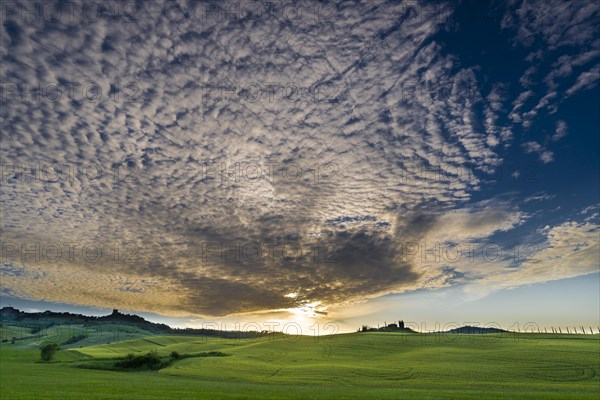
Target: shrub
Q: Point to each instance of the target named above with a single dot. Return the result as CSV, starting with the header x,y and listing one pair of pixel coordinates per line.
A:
x,y
213,354
150,360
47,352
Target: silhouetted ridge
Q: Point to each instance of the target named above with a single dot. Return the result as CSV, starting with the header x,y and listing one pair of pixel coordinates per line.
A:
x,y
47,319
474,330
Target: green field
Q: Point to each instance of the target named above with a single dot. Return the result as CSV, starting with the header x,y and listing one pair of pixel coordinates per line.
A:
x,y
349,366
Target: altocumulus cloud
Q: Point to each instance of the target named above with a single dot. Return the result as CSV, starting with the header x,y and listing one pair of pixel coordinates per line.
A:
x,y
222,161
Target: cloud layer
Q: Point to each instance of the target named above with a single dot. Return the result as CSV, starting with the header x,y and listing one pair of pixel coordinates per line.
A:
x,y
225,161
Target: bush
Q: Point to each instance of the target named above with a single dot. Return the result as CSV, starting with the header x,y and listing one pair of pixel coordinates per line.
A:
x,y
213,354
47,352
151,361
146,361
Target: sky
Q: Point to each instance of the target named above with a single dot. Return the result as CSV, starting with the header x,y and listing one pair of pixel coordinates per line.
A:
x,y
324,164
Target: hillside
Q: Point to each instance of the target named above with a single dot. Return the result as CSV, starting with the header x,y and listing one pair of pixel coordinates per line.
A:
x,y
368,365
69,329
46,319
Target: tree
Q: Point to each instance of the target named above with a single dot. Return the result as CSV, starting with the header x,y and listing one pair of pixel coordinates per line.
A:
x,y
47,352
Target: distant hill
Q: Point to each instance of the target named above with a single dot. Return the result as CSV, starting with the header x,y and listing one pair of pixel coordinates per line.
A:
x,y
474,330
47,319
386,328
401,328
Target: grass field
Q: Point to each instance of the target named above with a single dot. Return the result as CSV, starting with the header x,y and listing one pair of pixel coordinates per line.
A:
x,y
349,366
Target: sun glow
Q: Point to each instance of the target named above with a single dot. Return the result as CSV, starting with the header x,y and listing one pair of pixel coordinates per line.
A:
x,y
312,310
